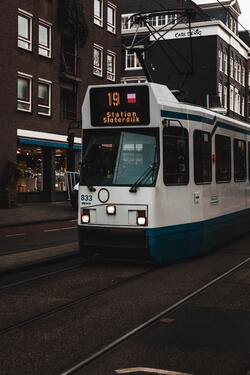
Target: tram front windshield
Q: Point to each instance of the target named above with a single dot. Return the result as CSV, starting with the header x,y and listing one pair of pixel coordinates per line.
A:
x,y
120,157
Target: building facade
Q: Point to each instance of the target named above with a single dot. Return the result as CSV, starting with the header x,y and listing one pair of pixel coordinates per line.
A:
x,y
210,68
50,52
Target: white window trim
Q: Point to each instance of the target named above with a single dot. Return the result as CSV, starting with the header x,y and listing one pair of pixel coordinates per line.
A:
x,y
49,84
225,64
231,97
111,27
220,60
96,70
98,20
135,79
48,49
23,13
135,57
29,102
110,53
225,96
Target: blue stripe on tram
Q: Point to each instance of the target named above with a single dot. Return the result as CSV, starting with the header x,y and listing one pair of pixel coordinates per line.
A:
x,y
182,241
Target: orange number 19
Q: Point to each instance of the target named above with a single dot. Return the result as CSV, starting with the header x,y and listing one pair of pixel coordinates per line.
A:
x,y
114,99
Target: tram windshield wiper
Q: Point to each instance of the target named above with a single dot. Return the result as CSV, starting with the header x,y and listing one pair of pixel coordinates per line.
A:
x,y
83,180
149,172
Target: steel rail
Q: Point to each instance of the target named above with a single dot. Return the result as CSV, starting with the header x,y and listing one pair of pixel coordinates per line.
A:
x,y
152,320
73,303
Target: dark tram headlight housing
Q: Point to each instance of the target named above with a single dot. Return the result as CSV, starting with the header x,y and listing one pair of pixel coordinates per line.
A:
x,y
111,209
141,218
85,216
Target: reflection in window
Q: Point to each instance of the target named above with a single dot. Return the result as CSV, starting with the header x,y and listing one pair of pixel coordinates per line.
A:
x,y
120,158
97,63
137,156
44,97
30,161
111,66
24,93
24,31
44,41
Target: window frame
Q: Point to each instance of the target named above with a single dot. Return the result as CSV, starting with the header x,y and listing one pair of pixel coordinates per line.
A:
x,y
236,178
98,20
136,62
112,74
49,85
20,38
40,45
111,27
182,177
28,78
197,179
98,71
218,147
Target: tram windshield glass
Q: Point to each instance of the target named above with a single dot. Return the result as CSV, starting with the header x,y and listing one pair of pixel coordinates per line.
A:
x,y
120,157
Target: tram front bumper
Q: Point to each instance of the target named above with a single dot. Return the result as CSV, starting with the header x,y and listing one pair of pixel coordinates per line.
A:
x,y
113,242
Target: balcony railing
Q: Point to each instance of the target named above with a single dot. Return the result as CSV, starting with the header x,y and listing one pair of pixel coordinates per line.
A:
x,y
69,64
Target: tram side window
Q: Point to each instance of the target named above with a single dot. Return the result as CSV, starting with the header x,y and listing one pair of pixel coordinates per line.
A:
x,y
223,158
240,165
202,157
175,155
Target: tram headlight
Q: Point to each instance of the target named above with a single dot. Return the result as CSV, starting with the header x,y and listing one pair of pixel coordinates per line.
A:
x,y
85,217
141,218
111,209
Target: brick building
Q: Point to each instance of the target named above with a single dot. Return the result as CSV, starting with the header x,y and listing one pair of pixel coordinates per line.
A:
x,y
50,52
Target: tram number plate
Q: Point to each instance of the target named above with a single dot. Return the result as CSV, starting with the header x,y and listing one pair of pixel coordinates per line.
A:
x,y
86,198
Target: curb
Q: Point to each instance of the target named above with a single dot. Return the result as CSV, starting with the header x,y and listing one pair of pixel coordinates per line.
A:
x,y
43,262
20,224
32,259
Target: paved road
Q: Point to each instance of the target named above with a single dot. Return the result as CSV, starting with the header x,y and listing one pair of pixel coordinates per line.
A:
x,y
207,335
36,236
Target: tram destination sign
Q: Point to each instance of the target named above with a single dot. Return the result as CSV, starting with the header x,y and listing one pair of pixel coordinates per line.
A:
x,y
119,106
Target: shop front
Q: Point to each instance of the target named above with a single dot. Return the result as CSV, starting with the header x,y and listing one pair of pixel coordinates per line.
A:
x,y
44,164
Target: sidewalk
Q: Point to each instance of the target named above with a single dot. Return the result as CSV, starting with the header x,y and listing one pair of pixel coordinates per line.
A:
x,y
28,213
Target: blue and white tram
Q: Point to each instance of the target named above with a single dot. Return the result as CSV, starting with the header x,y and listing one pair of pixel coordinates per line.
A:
x,y
160,179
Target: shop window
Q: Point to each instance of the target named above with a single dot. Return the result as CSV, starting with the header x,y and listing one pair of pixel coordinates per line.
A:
x,y
24,30
202,157
44,97
44,39
30,161
60,170
24,92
